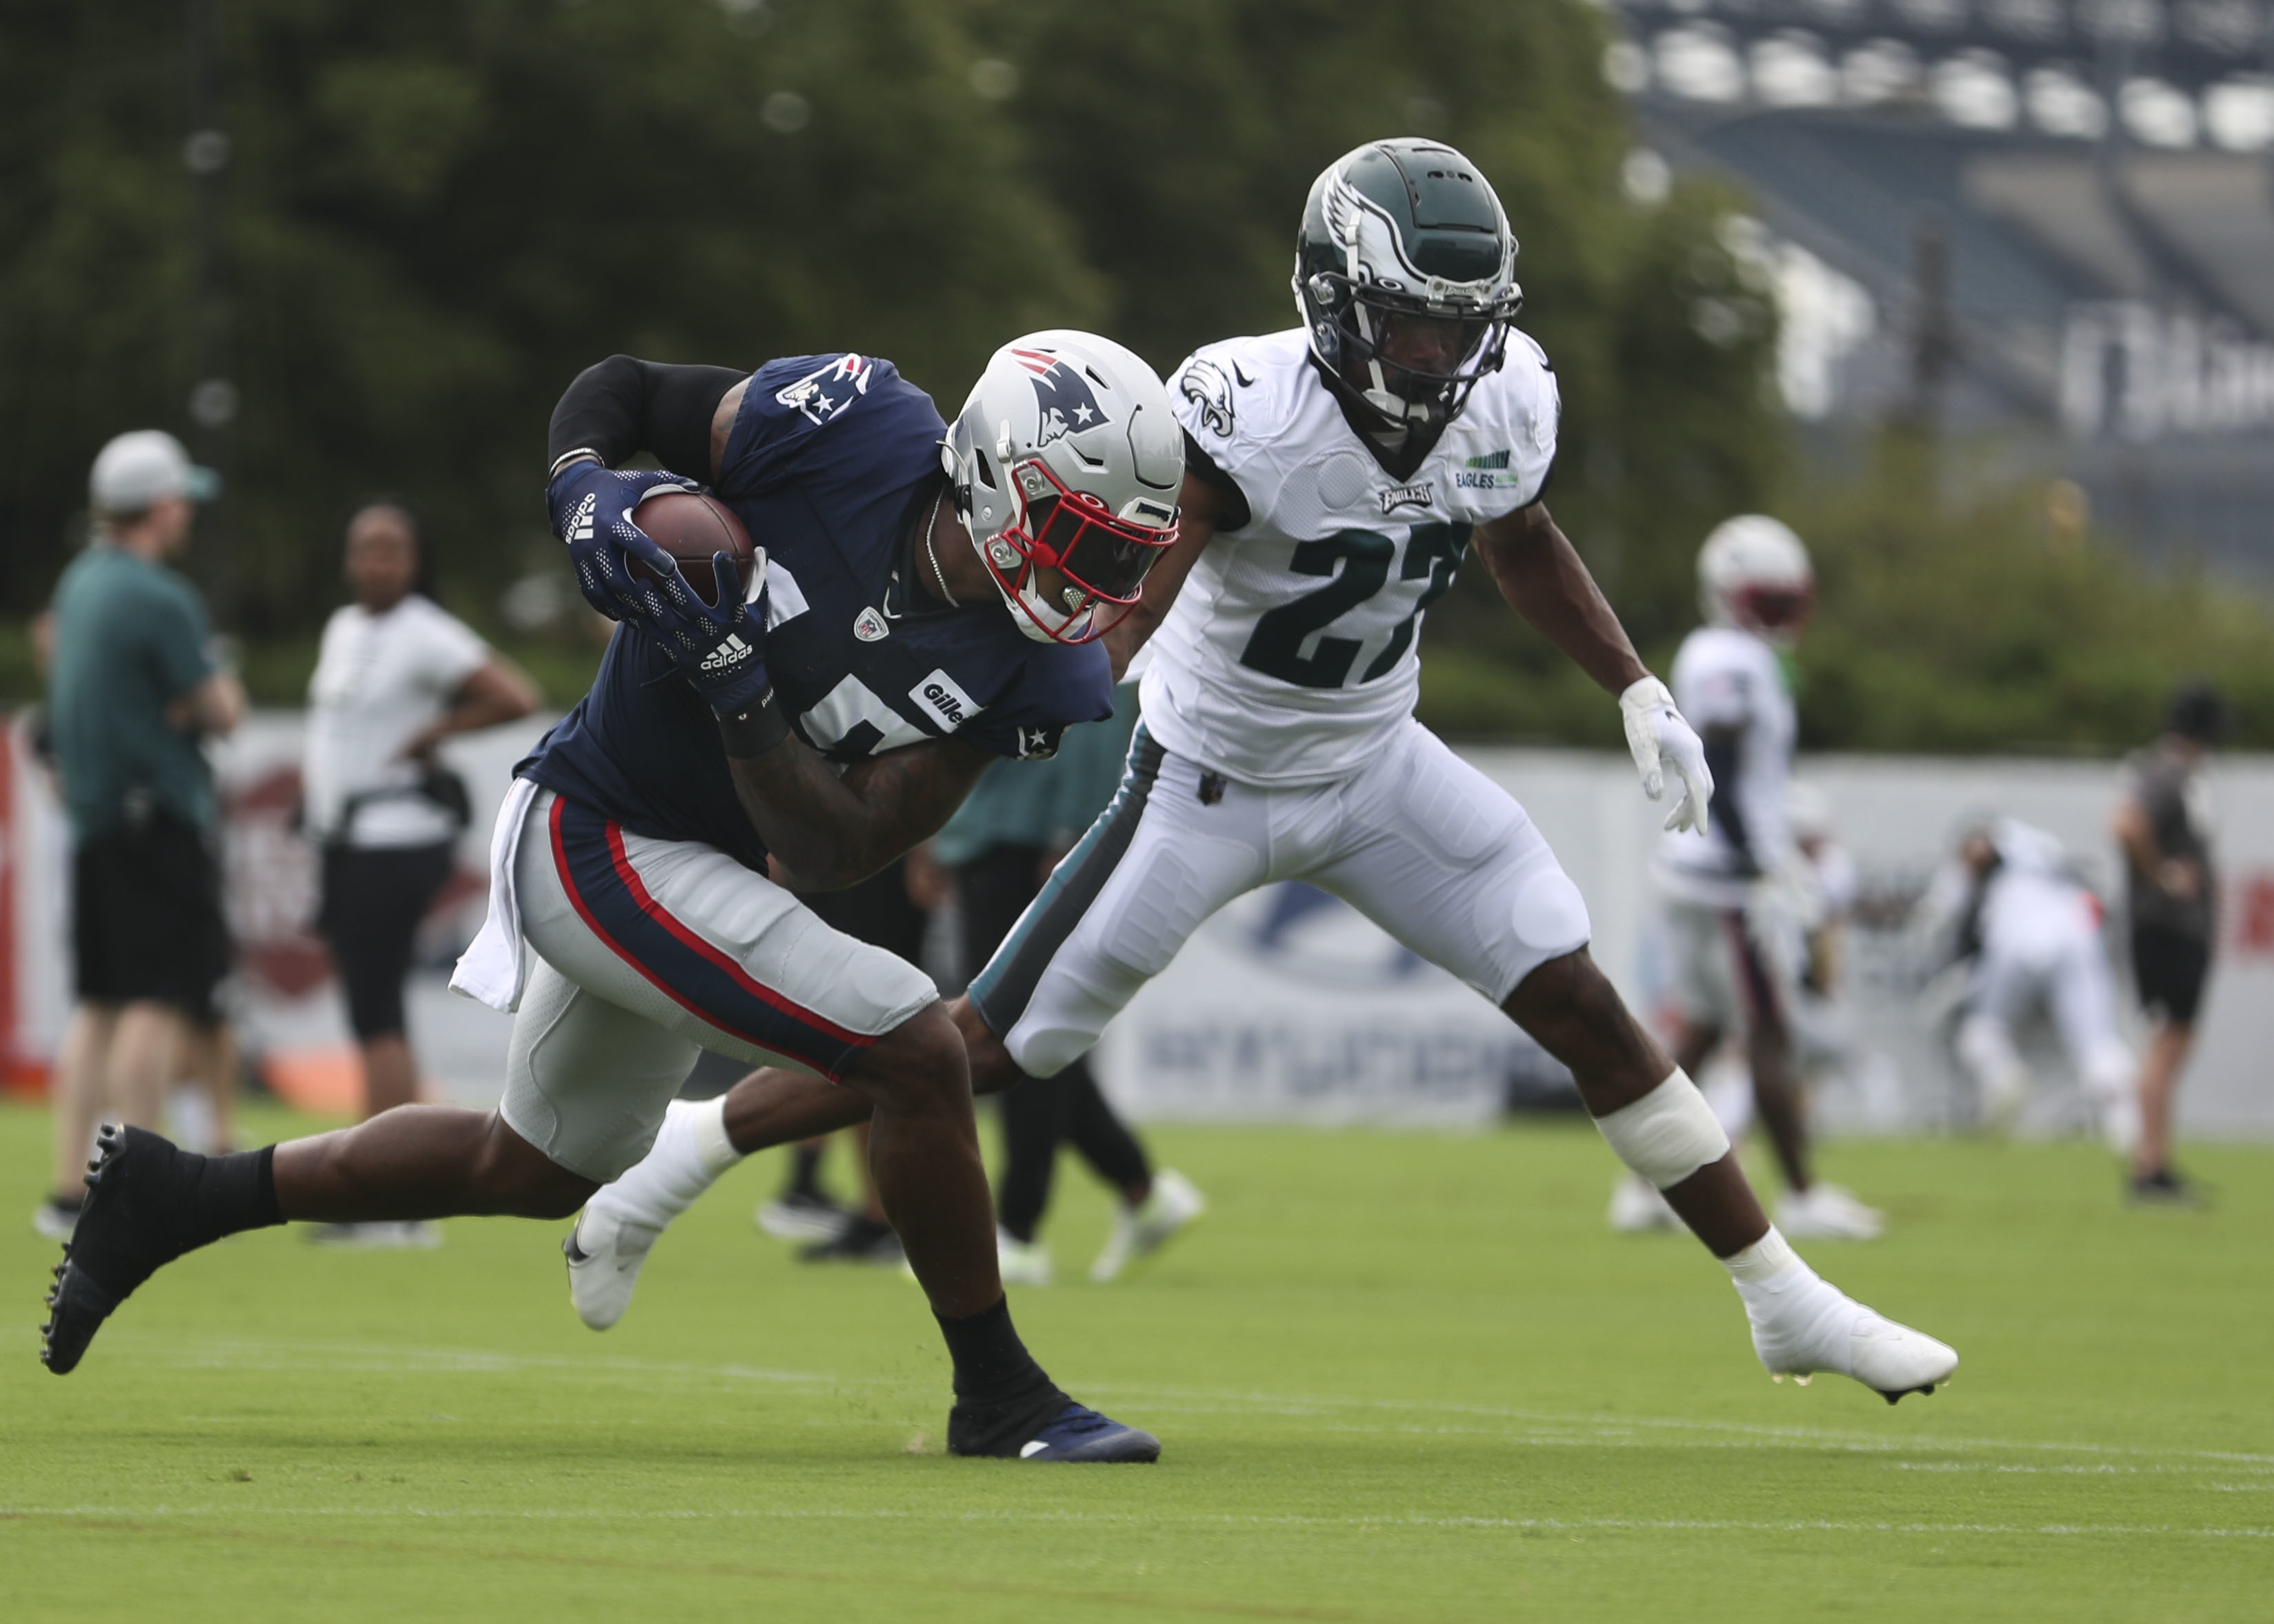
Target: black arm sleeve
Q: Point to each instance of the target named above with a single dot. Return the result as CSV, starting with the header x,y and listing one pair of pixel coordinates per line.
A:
x,y
1722,761
1203,466
623,406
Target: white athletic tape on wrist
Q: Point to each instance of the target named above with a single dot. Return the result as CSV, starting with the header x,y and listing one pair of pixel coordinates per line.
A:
x,y
1762,1261
1667,1134
712,1147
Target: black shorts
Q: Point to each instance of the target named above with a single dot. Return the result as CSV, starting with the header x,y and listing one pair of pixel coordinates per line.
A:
x,y
373,899
2170,967
146,923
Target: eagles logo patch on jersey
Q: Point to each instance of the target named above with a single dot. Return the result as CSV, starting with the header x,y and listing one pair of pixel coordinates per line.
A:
x,y
822,394
1063,402
1205,385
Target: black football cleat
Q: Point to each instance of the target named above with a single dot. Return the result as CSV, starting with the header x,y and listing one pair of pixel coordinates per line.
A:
x,y
120,1240
1073,1433
1078,1434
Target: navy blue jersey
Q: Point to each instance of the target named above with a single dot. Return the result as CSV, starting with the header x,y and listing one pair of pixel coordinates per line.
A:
x,y
833,465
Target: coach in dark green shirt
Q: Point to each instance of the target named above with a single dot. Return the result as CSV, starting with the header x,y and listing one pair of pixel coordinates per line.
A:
x,y
131,645
134,688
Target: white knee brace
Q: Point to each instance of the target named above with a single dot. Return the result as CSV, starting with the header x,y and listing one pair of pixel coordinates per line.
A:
x,y
1667,1134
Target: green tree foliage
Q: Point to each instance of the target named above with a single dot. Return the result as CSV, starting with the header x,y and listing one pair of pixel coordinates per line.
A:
x,y
436,211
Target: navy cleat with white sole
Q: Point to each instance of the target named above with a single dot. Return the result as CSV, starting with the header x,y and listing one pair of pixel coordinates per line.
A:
x,y
1078,1434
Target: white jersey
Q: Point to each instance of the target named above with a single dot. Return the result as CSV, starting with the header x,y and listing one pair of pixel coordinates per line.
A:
x,y
1290,652
1725,678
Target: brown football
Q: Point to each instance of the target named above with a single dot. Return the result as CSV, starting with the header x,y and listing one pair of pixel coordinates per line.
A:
x,y
692,527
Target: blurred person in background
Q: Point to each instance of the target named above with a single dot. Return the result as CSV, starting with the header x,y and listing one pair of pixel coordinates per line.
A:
x,y
1740,898
2010,903
1821,1043
2162,822
136,684
1000,847
396,676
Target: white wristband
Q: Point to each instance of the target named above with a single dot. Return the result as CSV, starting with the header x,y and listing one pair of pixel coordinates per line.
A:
x,y
1667,1134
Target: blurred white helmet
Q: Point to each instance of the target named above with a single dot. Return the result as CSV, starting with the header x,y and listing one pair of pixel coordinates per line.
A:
x,y
1753,574
1807,811
1066,463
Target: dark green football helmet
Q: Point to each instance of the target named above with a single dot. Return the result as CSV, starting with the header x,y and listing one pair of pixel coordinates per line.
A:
x,y
1404,272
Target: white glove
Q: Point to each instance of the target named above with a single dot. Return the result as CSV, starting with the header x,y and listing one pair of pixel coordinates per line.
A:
x,y
1661,739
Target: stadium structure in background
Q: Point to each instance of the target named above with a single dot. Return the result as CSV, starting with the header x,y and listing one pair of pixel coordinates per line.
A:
x,y
2051,217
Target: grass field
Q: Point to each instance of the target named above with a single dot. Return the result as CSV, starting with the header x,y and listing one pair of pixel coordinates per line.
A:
x,y
1399,1376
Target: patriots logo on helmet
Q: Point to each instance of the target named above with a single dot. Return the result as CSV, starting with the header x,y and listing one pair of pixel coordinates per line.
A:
x,y
821,395
1064,403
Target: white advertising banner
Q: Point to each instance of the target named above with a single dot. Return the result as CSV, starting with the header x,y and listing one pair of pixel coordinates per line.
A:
x,y
1289,1005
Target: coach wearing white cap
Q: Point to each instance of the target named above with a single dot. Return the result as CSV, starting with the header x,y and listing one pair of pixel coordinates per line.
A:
x,y
134,687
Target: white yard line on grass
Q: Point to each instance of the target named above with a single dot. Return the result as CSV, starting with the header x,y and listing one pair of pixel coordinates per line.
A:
x,y
1710,1525
1607,1429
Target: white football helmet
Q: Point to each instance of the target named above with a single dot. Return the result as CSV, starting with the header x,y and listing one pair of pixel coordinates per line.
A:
x,y
1066,463
1753,574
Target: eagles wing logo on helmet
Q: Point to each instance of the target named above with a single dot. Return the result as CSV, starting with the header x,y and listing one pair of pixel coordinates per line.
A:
x,y
1064,403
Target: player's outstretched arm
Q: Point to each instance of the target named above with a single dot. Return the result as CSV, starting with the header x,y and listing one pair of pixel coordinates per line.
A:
x,y
826,832
1540,573
1201,509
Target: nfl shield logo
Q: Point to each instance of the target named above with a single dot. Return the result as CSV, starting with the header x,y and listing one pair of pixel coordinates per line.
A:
x,y
869,627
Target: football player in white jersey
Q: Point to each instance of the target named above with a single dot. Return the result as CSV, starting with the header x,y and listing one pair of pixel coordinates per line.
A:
x,y
2033,929
1739,897
1337,475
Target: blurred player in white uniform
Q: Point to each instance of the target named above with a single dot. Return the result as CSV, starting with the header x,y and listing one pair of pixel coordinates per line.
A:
x,y
2033,931
1337,475
1740,896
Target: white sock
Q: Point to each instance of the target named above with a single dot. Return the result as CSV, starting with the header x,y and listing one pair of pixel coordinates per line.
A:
x,y
1801,1321
691,1150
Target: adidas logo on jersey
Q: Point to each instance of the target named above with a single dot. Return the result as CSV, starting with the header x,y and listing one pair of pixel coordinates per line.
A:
x,y
580,522
944,702
1397,496
1491,459
728,655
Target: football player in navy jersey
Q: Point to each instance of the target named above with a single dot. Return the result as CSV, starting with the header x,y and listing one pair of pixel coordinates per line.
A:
x,y
810,727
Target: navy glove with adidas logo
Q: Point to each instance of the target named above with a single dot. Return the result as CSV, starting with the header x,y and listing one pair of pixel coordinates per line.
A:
x,y
591,508
720,648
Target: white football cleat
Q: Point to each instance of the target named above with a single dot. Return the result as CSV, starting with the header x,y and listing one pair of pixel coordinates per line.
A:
x,y
605,1253
1802,1324
1638,1208
1021,1263
1827,1213
1140,1231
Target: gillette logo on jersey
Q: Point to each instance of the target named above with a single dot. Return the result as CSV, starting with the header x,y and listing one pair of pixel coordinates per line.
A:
x,y
1063,402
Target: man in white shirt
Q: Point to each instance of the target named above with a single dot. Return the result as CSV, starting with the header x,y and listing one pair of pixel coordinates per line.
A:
x,y
397,674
